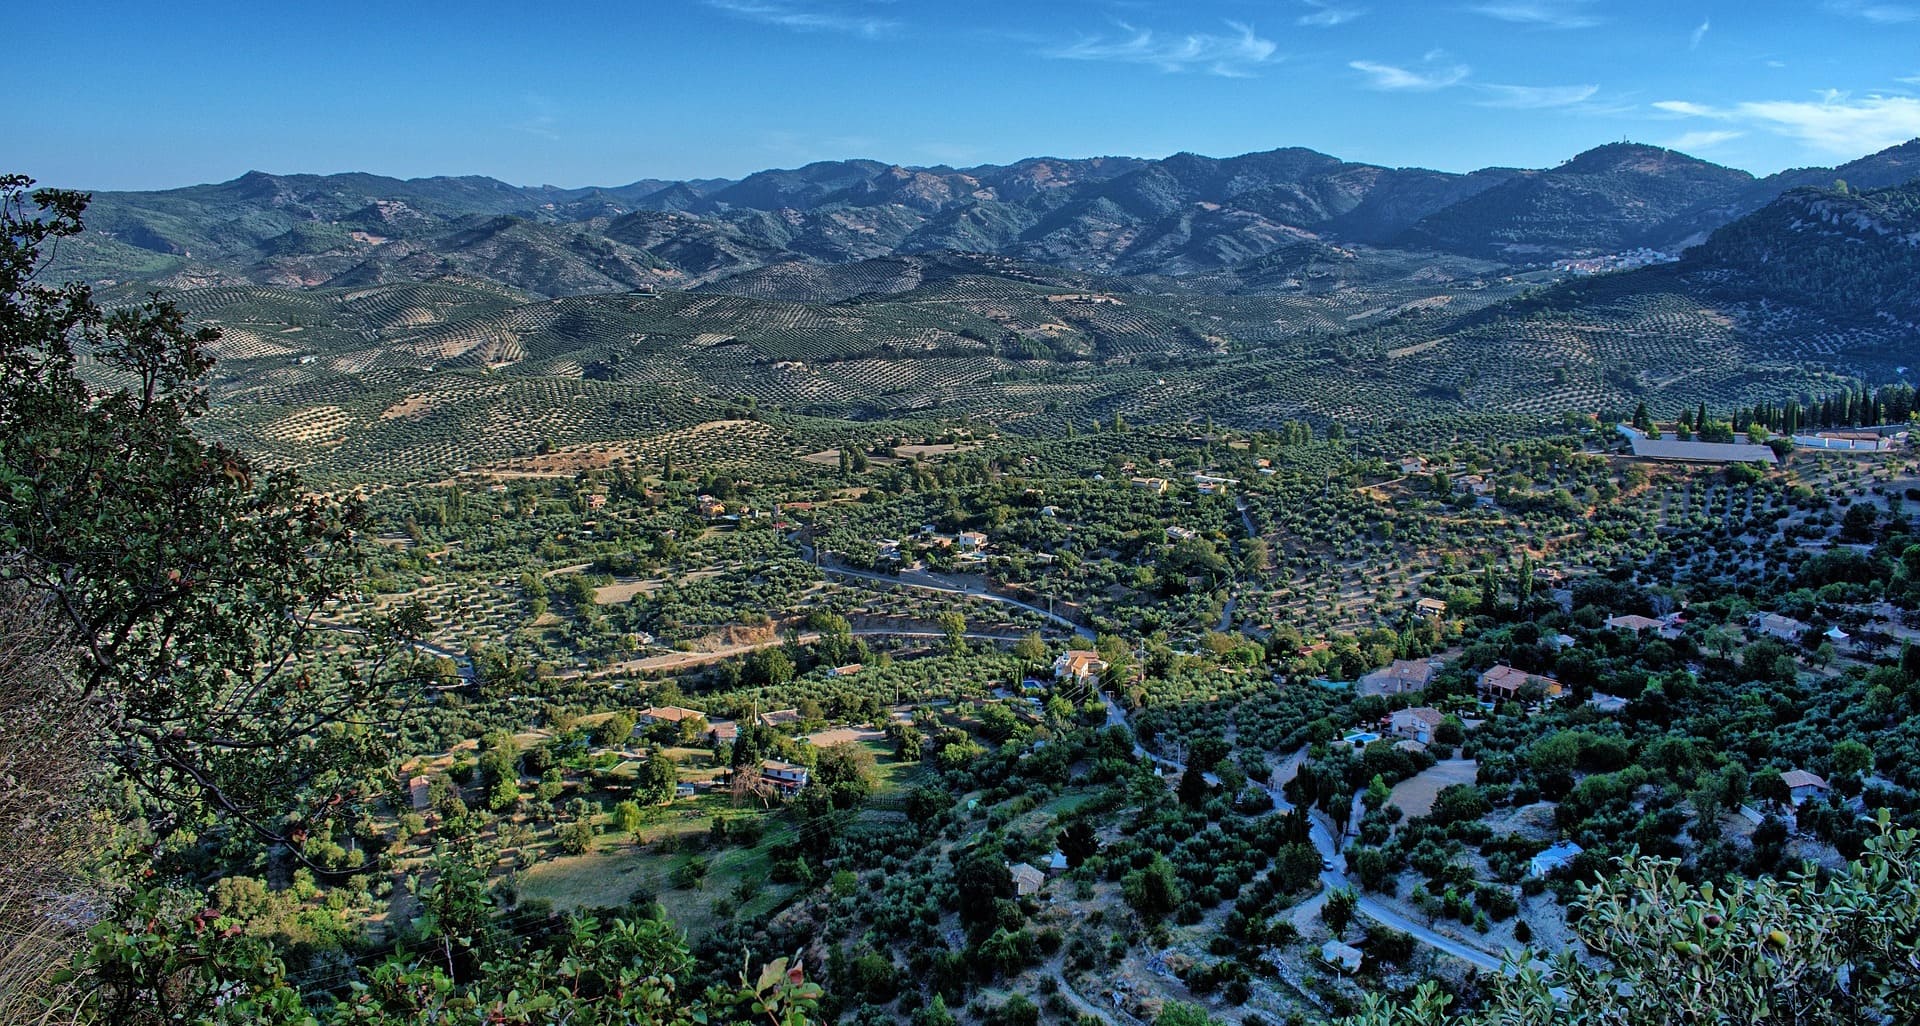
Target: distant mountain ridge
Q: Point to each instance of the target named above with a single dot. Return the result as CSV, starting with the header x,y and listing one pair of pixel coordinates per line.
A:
x,y
1181,215
1607,199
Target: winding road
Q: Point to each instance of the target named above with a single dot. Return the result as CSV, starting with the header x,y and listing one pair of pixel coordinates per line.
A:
x,y
1321,833
1336,877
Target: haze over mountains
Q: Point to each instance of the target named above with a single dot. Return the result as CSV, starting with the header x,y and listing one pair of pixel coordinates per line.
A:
x,y
1255,290
1251,220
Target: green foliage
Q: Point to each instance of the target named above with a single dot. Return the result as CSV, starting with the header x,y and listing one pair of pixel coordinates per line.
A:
x,y
1338,910
659,775
1152,890
845,773
613,731
159,960
1182,1013
187,579
1805,949
628,818
981,879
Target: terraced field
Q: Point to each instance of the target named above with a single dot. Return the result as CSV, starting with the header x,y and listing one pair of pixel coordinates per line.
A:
x,y
417,381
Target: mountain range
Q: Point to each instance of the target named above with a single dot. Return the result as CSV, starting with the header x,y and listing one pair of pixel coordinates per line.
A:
x,y
1252,221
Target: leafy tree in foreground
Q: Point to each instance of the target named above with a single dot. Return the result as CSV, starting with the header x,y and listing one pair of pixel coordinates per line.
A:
x,y
190,584
1795,952
167,959
185,603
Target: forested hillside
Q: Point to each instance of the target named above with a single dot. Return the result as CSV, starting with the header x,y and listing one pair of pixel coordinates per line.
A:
x,y
1853,255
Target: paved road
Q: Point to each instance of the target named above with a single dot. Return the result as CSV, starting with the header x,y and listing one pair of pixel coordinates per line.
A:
x,y
1336,877
686,660
929,582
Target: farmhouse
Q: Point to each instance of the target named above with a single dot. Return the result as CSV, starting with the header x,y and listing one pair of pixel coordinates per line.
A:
x,y
1416,724
1213,484
1607,703
779,718
1802,785
1673,450
784,777
1079,665
969,541
1430,608
667,714
1155,485
1633,622
1026,879
1845,441
723,730
419,791
1785,628
1401,676
1503,683
1559,856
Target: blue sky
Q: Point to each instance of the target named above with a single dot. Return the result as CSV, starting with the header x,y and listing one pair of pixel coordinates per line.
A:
x,y
149,95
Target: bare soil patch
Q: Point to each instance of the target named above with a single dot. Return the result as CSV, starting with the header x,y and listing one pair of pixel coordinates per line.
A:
x,y
1415,795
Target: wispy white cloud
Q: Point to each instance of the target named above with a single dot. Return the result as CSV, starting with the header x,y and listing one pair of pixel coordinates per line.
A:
x,y
1693,41
1874,11
1535,97
1559,14
1434,72
1685,108
1235,54
542,119
1702,140
810,16
1327,13
1836,124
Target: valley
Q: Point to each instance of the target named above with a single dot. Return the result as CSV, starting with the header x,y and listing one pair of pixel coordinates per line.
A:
x,y
1094,592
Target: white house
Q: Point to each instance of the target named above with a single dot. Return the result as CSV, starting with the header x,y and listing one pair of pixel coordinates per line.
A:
x,y
1559,856
1785,628
784,777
